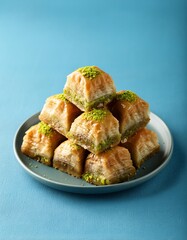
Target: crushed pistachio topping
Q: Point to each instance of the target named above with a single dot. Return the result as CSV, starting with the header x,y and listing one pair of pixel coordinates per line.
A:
x,y
74,146
85,105
108,143
61,97
45,160
45,129
99,180
87,177
95,114
127,95
89,72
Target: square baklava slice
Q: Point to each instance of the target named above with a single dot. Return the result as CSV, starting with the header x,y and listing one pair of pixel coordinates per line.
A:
x,y
111,166
96,130
89,87
131,111
59,113
142,145
69,157
40,141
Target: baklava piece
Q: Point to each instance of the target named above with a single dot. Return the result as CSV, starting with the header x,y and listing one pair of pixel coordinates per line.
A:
x,y
40,141
89,87
131,111
142,145
59,113
69,157
109,167
96,130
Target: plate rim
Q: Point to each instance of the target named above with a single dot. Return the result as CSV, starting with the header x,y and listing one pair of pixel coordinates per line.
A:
x,y
90,189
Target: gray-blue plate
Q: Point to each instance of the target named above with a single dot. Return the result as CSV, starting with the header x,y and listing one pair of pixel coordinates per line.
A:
x,y
62,181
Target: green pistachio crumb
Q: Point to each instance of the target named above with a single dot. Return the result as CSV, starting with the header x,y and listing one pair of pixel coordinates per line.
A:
x,y
61,97
95,114
127,95
104,181
108,142
87,177
45,129
99,180
74,146
44,159
89,72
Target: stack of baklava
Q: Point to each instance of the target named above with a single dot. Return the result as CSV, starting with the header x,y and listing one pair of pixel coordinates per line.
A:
x,y
92,132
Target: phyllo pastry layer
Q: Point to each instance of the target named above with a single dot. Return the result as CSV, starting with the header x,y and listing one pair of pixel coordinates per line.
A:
x,y
96,130
109,167
59,113
69,157
89,87
40,142
131,111
142,145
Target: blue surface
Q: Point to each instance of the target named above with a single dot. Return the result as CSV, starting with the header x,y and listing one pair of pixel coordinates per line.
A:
x,y
142,45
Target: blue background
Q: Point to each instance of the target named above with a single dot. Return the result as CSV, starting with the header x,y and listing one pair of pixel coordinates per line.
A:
x,y
142,45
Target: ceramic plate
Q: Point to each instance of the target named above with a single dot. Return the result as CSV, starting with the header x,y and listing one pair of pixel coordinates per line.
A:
x,y
62,181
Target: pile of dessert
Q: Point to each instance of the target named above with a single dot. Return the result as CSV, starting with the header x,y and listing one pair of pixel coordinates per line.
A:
x,y
92,132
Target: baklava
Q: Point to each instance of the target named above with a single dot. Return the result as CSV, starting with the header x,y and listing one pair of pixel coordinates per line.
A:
x,y
40,141
89,87
131,111
142,145
69,157
109,167
59,113
96,130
